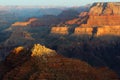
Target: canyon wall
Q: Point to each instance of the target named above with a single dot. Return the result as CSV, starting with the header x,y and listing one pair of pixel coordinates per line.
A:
x,y
108,30
83,31
98,31
105,8
103,19
101,14
60,30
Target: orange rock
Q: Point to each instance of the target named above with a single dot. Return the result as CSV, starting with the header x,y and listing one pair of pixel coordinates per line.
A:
x,y
102,8
108,30
18,49
83,14
74,21
60,30
103,20
83,31
24,23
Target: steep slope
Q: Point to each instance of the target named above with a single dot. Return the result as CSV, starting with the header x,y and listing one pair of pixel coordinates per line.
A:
x,y
43,63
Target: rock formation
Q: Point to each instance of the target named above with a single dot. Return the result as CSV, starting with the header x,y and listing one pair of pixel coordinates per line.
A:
x,y
103,20
26,66
18,49
108,30
105,8
83,31
98,31
23,24
104,16
60,30
39,50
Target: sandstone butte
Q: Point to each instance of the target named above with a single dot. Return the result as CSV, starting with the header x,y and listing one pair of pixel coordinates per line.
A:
x,y
23,24
104,16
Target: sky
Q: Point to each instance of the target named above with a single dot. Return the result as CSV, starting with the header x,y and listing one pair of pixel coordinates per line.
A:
x,y
65,3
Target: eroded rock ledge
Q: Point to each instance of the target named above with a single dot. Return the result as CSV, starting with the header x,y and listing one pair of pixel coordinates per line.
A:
x,y
39,50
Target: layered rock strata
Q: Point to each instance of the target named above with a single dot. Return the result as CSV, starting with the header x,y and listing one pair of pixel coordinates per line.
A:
x,y
24,23
60,30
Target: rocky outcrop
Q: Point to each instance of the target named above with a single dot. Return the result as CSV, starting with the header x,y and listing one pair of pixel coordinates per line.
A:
x,y
18,49
39,50
100,14
83,31
24,66
23,24
103,20
104,14
81,19
60,30
108,8
98,31
108,30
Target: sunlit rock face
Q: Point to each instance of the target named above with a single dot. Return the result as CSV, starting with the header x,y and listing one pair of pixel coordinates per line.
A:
x,y
83,31
60,30
108,30
108,8
23,24
104,16
98,31
102,20
18,49
39,50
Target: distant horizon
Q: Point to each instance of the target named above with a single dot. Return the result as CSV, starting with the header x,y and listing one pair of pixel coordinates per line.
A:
x,y
51,3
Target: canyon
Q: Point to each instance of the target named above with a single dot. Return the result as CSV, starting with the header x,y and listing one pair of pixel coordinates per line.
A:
x,y
104,17
75,44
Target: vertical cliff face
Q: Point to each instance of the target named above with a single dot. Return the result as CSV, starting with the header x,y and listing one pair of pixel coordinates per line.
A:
x,y
83,31
60,30
109,8
104,16
98,31
103,20
109,30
